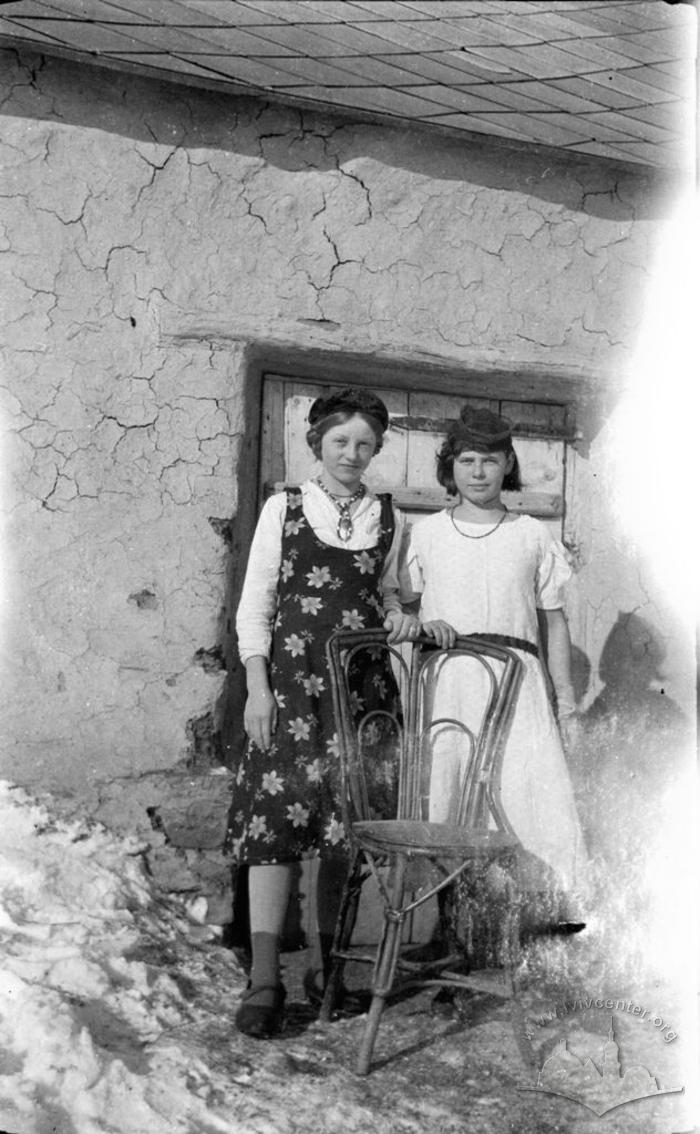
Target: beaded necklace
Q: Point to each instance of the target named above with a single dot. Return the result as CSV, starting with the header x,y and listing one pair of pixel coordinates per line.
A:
x,y
484,534
343,504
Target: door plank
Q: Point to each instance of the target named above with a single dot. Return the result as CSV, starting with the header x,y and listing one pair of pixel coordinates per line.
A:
x,y
299,460
272,465
390,465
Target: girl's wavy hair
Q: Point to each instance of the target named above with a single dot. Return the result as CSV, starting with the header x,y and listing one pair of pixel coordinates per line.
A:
x,y
460,438
314,435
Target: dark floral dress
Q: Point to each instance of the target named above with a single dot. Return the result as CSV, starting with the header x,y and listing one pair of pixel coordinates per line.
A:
x,y
286,800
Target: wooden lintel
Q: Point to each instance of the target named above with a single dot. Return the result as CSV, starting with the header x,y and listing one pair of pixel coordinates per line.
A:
x,y
542,504
562,432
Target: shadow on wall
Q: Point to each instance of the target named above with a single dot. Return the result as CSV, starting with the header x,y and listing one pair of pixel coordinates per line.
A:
x,y
632,731
167,113
633,702
626,766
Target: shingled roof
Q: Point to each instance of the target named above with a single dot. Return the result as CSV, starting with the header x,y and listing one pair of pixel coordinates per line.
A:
x,y
615,78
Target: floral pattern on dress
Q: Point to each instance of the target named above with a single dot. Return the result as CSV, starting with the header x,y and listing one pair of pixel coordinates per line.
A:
x,y
286,800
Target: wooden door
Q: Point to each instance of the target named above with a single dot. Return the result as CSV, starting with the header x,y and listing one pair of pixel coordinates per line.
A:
x,y
406,465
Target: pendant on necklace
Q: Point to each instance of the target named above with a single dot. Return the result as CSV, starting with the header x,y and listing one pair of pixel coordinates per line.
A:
x,y
343,504
345,525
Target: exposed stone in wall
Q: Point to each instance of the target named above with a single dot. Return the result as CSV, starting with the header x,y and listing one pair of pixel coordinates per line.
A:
x,y
210,660
131,208
204,739
180,819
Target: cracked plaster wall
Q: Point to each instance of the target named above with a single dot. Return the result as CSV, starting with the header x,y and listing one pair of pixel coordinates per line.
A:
x,y
137,216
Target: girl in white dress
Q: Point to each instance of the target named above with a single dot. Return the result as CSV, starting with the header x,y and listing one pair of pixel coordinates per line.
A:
x,y
482,569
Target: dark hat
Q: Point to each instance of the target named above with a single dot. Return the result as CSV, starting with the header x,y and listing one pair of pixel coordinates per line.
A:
x,y
350,400
482,428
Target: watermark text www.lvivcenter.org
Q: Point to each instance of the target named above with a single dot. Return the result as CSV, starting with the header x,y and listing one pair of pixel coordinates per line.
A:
x,y
580,1003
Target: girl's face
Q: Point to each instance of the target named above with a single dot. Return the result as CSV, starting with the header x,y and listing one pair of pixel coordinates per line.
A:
x,y
479,476
346,450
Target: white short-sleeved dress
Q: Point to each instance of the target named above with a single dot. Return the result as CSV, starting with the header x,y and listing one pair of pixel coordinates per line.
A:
x,y
495,584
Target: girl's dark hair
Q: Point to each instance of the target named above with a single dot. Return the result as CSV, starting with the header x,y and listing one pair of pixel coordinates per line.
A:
x,y
315,434
458,439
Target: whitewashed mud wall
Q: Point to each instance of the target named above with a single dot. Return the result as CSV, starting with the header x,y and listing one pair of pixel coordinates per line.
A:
x,y
145,228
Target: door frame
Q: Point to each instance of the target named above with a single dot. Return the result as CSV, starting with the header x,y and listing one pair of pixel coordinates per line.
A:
x,y
523,383
518,383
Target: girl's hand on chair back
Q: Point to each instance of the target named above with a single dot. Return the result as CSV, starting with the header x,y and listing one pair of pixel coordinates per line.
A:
x,y
442,632
402,627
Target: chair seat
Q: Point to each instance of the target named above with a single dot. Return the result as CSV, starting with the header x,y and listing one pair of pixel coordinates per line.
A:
x,y
416,837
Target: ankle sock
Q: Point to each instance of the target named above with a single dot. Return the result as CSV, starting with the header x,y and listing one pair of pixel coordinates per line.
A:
x,y
265,970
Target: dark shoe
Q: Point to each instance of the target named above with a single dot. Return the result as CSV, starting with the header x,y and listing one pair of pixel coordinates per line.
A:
x,y
443,1003
261,1020
314,989
557,929
346,1002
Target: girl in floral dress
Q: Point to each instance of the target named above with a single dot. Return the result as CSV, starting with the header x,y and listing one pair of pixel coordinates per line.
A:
x,y
325,556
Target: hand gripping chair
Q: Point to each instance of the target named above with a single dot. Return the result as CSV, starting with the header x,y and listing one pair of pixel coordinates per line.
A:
x,y
412,858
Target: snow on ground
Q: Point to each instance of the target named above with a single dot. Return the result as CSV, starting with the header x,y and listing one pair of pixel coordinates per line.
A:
x,y
116,1014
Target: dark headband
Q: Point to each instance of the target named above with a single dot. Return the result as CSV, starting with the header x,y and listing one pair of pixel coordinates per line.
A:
x,y
350,400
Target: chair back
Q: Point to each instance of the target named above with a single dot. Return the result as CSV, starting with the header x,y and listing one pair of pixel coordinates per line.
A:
x,y
477,679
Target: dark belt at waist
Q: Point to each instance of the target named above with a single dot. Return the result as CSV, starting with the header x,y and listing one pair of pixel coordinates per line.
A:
x,y
506,640
498,640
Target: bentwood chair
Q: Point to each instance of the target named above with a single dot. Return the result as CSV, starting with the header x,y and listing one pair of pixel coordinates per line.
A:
x,y
412,857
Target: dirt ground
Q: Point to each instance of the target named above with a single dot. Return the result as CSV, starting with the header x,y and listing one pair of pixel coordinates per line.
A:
x,y
117,1012
468,1068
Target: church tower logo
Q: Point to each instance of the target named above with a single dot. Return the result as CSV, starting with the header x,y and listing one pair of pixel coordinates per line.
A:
x,y
565,1074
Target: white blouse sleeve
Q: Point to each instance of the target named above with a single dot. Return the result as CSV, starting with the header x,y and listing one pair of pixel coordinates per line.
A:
x,y
257,606
413,566
395,584
553,573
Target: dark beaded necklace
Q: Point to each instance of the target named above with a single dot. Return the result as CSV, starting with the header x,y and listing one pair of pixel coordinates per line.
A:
x,y
343,504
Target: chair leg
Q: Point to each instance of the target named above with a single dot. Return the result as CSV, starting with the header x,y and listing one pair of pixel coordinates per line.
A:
x,y
364,1056
385,968
512,926
345,924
